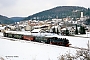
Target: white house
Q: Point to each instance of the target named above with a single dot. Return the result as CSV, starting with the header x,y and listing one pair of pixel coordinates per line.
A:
x,y
72,31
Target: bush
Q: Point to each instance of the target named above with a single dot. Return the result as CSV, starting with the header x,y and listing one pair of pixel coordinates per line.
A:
x,y
80,55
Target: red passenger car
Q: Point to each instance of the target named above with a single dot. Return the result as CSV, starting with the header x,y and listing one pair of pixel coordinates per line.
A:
x,y
28,37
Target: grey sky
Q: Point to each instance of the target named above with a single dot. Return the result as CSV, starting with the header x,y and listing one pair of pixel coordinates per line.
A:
x,y
13,8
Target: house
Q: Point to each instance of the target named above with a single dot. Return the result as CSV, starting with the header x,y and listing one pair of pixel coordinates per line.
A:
x,y
63,31
40,32
28,28
72,31
2,29
37,31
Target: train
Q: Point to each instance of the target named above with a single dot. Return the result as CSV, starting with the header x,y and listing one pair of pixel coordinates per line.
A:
x,y
42,39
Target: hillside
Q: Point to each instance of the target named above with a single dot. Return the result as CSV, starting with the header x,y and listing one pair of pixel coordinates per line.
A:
x,y
59,12
17,19
5,20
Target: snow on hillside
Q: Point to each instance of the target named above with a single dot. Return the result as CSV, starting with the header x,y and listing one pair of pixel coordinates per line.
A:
x,y
27,50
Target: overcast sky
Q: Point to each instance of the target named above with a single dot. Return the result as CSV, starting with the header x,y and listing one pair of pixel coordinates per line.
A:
x,y
24,8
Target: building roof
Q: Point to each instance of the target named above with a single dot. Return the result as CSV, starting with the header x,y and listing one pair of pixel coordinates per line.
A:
x,y
37,30
63,29
2,28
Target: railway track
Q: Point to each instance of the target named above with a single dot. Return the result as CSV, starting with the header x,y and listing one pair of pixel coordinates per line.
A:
x,y
78,48
25,41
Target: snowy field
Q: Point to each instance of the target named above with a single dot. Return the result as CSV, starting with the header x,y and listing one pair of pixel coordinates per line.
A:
x,y
77,41
27,50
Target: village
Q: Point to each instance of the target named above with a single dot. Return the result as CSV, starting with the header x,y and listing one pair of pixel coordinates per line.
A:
x,y
66,26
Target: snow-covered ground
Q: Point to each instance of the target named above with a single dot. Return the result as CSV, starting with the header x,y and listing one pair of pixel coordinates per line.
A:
x,y
27,50
81,41
78,41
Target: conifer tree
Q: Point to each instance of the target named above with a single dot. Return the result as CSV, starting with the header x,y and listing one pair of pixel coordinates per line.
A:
x,y
76,31
53,30
67,32
82,30
57,31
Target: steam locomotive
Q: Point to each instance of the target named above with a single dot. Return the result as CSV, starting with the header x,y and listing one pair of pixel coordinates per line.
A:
x,y
42,39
